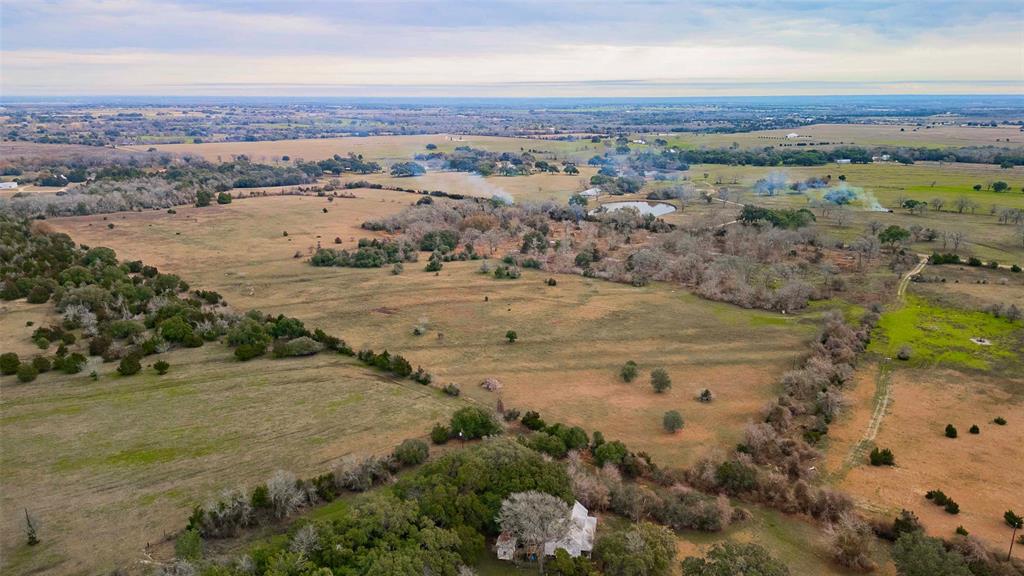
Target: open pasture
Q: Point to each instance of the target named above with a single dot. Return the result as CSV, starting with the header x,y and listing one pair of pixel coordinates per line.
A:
x,y
573,337
387,149
910,135
982,472
109,466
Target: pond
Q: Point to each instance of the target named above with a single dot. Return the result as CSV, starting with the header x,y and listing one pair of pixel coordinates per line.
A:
x,y
655,208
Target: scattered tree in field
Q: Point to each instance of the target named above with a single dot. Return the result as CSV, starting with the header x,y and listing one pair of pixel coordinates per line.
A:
x,y
974,429
999,420
42,364
660,380
511,336
977,187
1000,186
161,367
730,558
9,363
472,422
950,431
27,373
534,518
961,531
224,198
706,396
894,235
905,352
1016,522
883,457
31,531
129,365
672,421
629,371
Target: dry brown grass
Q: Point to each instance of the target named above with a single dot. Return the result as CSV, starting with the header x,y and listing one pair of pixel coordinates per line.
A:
x,y
983,472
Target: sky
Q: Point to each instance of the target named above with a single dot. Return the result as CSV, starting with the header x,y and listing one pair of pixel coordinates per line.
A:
x,y
512,49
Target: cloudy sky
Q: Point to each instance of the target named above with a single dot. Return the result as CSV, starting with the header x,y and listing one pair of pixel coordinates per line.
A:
x,y
499,48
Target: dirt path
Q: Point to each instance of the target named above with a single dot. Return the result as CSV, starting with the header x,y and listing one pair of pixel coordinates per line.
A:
x,y
883,387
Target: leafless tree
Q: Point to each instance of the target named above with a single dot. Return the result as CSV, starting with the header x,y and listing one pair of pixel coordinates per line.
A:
x,y
937,204
534,518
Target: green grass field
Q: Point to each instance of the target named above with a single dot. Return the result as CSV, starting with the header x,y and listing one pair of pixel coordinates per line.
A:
x,y
109,466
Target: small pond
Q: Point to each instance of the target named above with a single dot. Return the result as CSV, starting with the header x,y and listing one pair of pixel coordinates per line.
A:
x,y
655,208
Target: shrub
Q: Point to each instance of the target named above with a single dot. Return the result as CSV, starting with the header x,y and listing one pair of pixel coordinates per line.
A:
x,y
71,364
613,452
41,364
38,295
511,415
129,365
223,198
672,421
660,380
248,331
904,352
950,431
189,545
533,421
952,507
472,422
9,363
629,371
1000,421
643,549
961,531
735,559
440,434
883,457
974,429
452,389
938,497
161,367
411,452
286,496
706,396
511,336
1015,268
548,444
98,345
249,351
301,346
27,373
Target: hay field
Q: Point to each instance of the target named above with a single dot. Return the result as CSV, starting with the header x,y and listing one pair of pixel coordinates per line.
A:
x,y
983,473
860,135
532,188
573,337
110,466
382,148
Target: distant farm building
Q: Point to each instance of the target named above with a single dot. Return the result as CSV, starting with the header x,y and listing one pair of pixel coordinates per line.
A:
x,y
8,185
505,546
792,135
591,192
843,161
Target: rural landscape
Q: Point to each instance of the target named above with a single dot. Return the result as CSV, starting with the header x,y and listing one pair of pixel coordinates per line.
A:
x,y
621,334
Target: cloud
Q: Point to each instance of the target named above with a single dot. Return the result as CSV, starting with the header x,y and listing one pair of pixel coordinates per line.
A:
x,y
552,48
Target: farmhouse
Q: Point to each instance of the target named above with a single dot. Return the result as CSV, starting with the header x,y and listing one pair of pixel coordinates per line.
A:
x,y
8,185
590,192
580,538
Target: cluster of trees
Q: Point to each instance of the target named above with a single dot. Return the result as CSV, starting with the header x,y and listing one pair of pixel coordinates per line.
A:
x,y
486,163
353,163
370,253
778,217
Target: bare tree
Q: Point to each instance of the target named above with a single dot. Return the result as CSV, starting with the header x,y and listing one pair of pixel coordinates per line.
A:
x,y
842,217
957,238
534,518
875,227
937,204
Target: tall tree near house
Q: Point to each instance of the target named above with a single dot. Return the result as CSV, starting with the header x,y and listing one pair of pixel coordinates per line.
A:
x,y
534,518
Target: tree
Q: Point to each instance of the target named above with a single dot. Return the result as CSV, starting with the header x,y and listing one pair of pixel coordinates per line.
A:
x,y
883,457
411,452
1016,522
31,532
534,518
732,559
129,365
660,380
643,549
511,336
893,235
918,555
9,363
999,186
950,431
473,422
27,373
161,367
672,421
629,371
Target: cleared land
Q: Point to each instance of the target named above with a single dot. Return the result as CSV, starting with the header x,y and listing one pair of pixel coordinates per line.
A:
x,y
383,148
982,472
573,337
108,467
860,135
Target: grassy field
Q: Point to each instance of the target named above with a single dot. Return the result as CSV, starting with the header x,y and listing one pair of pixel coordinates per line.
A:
x,y
573,337
860,135
110,466
890,184
383,148
981,472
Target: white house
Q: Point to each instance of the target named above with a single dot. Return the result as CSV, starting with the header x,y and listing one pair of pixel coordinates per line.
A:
x,y
8,185
580,538
792,135
843,161
590,192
